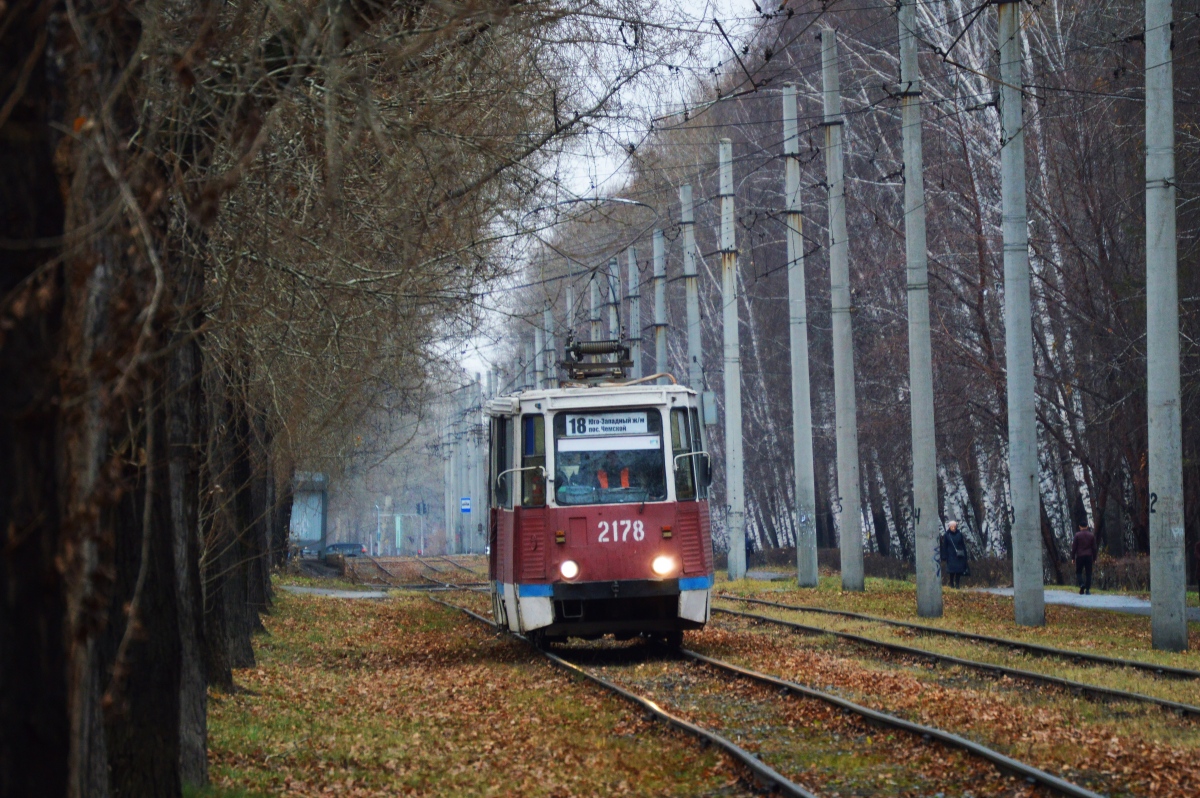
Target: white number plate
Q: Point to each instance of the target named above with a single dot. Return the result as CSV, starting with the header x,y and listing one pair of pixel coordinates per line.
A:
x,y
620,531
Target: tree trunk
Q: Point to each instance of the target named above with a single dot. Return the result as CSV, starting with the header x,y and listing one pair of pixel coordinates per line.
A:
x,y
34,734
883,535
1050,544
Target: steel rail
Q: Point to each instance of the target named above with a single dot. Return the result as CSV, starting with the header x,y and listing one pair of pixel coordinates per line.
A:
x,y
769,777
1161,670
1004,763
1018,673
430,567
437,584
458,565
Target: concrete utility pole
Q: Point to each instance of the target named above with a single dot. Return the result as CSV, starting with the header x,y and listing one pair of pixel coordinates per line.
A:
x,y
847,506
1028,597
447,488
550,353
1168,569
464,467
467,473
452,527
802,435
479,498
920,351
660,305
614,300
635,314
539,358
594,307
570,309
530,369
691,285
735,495
451,486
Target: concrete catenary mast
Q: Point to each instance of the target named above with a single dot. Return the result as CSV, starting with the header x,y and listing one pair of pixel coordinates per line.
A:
x,y
614,300
735,496
635,315
802,436
1168,574
920,352
1028,598
847,506
660,305
691,286
594,308
539,357
548,326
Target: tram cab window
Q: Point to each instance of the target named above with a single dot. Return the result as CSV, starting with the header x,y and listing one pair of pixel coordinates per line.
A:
x,y
683,460
533,456
609,457
502,447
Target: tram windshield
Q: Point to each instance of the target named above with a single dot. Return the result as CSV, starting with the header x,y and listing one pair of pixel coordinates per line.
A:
x,y
609,458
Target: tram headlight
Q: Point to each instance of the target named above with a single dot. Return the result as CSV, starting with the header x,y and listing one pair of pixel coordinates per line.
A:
x,y
569,569
663,565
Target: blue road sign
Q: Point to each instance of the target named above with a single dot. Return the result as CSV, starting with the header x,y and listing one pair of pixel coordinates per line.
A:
x,y
464,504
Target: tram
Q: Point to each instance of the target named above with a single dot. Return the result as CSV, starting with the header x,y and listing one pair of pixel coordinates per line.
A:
x,y
598,519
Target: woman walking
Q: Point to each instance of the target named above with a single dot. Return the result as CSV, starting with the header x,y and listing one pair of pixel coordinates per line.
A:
x,y
954,553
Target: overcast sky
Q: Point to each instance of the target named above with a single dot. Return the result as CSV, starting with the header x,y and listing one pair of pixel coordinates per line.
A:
x,y
592,171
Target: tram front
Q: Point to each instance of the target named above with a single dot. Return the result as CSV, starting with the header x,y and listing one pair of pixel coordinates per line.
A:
x,y
599,519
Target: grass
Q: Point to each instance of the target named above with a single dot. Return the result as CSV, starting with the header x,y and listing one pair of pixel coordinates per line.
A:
x,y
402,697
1119,749
335,583
1096,631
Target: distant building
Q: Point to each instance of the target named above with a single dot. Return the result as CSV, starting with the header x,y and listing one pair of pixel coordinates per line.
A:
x,y
310,502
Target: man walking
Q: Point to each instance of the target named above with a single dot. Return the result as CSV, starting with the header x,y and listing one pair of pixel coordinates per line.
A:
x,y
1083,549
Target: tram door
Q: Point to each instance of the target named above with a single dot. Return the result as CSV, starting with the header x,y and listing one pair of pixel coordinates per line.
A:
x,y
499,492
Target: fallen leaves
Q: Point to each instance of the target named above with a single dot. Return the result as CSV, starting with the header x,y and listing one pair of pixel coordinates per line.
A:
x,y
1001,714
402,697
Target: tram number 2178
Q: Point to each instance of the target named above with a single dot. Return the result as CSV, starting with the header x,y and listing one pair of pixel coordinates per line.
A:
x,y
620,531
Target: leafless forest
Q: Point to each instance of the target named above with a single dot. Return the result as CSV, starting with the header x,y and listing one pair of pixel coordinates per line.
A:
x,y
236,239
233,234
1084,116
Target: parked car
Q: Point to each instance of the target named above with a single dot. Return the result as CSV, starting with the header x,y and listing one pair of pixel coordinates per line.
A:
x,y
346,549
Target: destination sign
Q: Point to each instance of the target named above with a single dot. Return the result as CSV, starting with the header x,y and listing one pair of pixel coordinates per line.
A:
x,y
625,423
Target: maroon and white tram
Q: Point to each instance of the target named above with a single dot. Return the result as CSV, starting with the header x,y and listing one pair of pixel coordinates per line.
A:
x,y
599,519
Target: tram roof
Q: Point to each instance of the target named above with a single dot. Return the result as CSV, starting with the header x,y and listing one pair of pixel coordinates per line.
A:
x,y
599,396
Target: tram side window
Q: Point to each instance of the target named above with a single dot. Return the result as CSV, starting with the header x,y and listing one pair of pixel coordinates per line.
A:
x,y
681,447
501,461
703,478
533,455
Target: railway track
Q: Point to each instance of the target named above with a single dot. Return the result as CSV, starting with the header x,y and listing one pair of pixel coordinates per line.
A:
x,y
459,565
1032,648
772,779
427,565
1084,688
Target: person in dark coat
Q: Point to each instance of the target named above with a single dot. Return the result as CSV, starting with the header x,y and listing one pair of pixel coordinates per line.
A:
x,y
954,553
1083,549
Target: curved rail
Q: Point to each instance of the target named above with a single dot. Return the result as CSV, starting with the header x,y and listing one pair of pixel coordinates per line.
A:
x,y
1001,761
770,778
430,567
1161,670
471,571
1017,673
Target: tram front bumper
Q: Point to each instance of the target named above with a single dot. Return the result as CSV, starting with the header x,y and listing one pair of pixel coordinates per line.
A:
x,y
618,606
